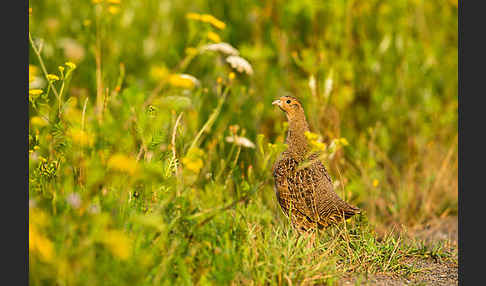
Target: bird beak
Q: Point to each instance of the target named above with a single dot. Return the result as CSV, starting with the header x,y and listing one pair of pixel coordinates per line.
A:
x,y
277,102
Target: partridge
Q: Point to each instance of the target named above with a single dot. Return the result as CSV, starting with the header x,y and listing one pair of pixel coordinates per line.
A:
x,y
303,186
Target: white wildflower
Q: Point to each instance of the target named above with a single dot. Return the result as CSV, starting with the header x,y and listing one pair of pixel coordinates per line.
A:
x,y
336,184
328,84
37,83
385,44
222,47
241,141
94,209
312,84
240,64
73,50
74,200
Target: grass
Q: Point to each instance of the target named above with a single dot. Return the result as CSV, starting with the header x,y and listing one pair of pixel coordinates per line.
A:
x,y
150,156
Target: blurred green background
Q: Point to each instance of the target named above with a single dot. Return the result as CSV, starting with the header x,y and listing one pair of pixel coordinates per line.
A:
x,y
117,194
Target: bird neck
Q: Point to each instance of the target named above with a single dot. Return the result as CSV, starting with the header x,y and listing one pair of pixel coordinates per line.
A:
x,y
296,139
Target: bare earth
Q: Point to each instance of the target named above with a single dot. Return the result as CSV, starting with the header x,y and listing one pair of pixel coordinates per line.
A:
x,y
430,271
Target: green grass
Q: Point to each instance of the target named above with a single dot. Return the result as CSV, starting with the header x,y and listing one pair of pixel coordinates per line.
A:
x,y
133,180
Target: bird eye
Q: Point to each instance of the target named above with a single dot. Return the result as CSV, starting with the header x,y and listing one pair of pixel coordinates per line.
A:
x,y
288,101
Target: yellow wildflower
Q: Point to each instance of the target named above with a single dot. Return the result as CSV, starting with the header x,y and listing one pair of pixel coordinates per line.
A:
x,y
118,243
123,163
114,1
37,216
37,242
71,65
193,160
213,21
219,80
214,37
158,72
319,145
81,137
206,18
73,115
231,75
314,140
191,51
193,16
32,73
113,9
40,244
52,77
343,141
311,136
183,80
35,91
96,1
38,121
375,183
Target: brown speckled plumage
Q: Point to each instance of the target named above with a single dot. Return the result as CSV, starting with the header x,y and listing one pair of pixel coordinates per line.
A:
x,y
306,193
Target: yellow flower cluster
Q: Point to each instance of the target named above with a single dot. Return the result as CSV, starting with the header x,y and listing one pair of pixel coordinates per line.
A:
x,y
315,142
113,7
35,91
32,73
191,51
158,72
183,80
38,243
107,1
343,141
193,161
206,18
81,137
38,121
375,183
214,37
52,77
118,243
71,65
123,163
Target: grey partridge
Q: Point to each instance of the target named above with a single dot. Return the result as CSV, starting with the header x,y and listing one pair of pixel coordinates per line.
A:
x,y
305,192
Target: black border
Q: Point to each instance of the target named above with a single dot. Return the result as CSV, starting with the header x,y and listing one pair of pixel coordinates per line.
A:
x,y
14,212
471,90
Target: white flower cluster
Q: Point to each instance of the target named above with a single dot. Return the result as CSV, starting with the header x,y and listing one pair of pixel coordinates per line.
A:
x,y
240,64
241,141
222,47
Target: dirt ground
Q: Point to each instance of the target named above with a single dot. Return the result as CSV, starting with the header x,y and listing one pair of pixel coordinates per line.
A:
x,y
430,271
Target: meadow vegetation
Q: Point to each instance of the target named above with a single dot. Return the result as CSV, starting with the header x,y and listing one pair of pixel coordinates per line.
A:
x,y
152,136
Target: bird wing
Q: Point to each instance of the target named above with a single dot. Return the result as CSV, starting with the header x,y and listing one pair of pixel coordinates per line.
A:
x,y
287,188
315,186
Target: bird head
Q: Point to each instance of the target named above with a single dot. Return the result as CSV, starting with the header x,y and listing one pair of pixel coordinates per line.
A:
x,y
290,105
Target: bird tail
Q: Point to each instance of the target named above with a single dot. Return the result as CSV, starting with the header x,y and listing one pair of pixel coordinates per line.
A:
x,y
350,211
